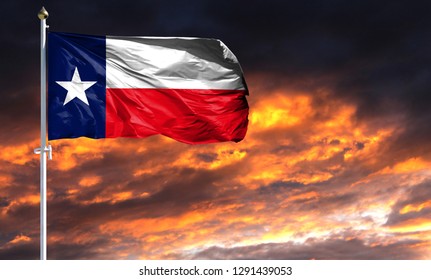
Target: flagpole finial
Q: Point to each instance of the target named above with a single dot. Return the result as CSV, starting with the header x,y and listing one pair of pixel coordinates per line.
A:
x,y
43,14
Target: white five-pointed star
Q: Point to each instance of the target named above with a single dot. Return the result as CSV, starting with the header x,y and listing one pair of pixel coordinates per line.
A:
x,y
76,88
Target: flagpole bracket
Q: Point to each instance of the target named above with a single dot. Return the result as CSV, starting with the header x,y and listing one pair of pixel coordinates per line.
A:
x,y
46,149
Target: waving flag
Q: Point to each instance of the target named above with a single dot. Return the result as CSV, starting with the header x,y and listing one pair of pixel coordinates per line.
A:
x,y
189,89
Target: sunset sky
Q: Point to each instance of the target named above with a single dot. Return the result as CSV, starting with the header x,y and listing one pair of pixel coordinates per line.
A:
x,y
336,163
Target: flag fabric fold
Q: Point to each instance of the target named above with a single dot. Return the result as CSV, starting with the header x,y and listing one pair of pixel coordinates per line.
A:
x,y
189,89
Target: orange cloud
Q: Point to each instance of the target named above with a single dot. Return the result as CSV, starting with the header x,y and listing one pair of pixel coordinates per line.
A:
x,y
415,164
68,153
280,111
5,180
29,199
20,154
415,207
412,225
20,239
90,181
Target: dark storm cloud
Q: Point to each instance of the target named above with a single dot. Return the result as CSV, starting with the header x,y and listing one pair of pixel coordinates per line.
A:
x,y
19,71
20,218
331,249
27,251
84,251
318,37
414,141
22,181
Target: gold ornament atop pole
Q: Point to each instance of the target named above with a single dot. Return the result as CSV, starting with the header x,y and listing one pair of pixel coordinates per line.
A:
x,y
43,14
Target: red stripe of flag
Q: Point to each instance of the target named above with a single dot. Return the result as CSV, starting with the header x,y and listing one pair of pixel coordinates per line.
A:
x,y
187,115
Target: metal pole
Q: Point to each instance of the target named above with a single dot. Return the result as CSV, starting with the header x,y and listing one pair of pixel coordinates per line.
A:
x,y
43,15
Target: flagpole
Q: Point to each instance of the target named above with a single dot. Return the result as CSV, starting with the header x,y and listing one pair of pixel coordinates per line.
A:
x,y
43,150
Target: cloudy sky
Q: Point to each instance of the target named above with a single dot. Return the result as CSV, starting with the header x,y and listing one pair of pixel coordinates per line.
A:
x,y
336,163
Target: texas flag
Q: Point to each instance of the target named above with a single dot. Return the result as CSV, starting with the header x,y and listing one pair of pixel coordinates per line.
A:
x,y
189,89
